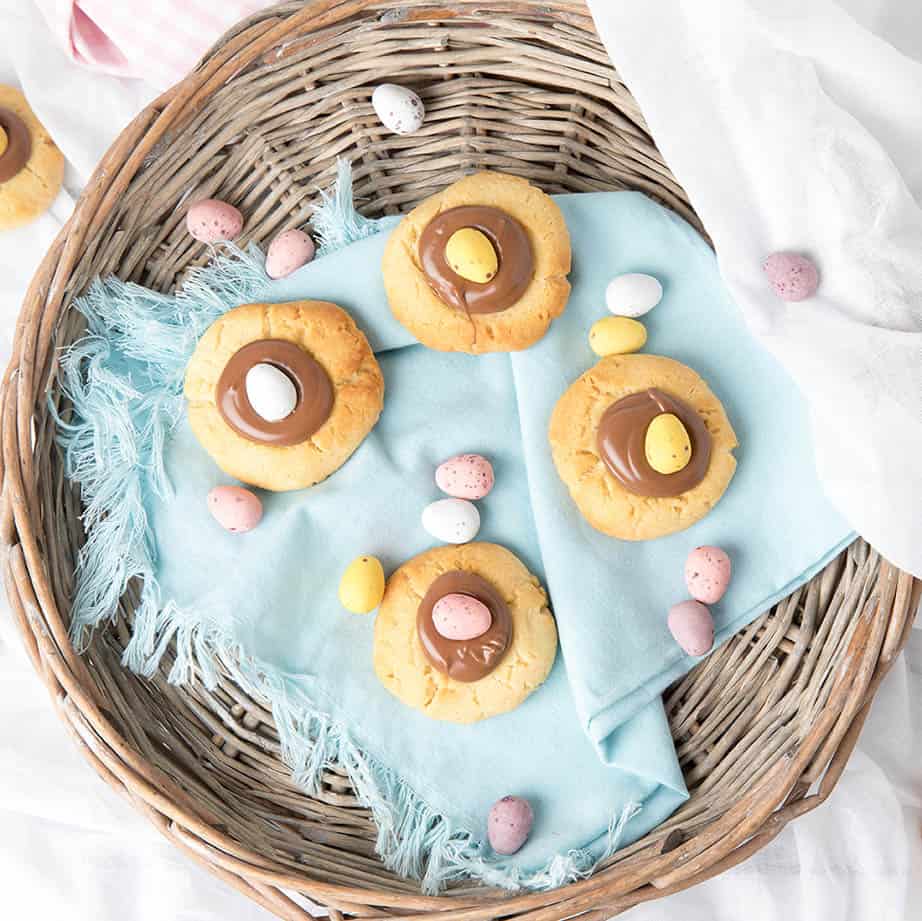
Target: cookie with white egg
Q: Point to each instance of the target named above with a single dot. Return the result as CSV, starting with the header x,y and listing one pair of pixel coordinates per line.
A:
x,y
464,633
31,166
480,267
643,445
281,395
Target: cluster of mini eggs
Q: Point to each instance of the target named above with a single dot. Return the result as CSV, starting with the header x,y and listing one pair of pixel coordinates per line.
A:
x,y
627,297
707,575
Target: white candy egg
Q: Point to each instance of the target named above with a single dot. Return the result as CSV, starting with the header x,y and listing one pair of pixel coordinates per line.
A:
x,y
454,521
399,108
270,392
633,295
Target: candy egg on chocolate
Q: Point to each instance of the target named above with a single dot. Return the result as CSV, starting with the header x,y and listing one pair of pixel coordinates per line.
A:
x,y
707,574
361,587
461,617
453,521
398,107
692,627
288,252
234,508
271,392
633,295
667,446
465,476
617,336
212,220
509,824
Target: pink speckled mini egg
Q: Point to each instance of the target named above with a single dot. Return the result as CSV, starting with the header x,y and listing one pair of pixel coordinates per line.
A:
x,y
288,252
212,221
792,277
692,627
235,508
509,824
707,574
461,617
466,476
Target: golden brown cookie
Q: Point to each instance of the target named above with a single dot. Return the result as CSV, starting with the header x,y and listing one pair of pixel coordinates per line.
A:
x,y
601,497
537,288
339,387
31,166
404,668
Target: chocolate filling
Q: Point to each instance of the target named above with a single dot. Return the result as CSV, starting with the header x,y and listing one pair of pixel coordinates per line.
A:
x,y
315,393
513,251
465,660
18,146
622,435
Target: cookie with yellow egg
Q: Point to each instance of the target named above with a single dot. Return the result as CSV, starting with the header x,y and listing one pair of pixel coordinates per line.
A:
x,y
643,445
31,166
480,267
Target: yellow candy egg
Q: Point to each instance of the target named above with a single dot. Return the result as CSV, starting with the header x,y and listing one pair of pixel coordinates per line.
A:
x,y
667,446
617,336
4,142
471,255
362,585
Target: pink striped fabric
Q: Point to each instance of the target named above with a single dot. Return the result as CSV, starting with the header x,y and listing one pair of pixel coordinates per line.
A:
x,y
155,40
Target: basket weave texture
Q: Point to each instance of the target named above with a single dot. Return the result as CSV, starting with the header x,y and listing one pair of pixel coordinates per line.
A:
x,y
763,726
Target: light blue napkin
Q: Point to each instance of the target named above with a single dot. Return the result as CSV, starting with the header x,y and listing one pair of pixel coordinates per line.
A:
x,y
265,603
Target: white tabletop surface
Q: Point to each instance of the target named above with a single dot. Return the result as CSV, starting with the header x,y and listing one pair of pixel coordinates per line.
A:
x,y
70,847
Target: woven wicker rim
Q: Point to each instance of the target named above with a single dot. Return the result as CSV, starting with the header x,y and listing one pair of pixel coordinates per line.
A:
x,y
763,727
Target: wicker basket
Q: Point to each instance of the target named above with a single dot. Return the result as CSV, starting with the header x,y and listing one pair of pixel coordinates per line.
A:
x,y
763,727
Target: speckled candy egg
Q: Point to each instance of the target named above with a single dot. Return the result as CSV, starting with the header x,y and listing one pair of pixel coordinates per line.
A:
x,y
454,521
288,252
461,617
361,587
692,627
467,476
793,277
212,220
235,508
399,108
633,295
707,574
509,824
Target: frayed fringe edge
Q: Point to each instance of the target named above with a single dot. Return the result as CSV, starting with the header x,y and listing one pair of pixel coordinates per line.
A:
x,y
124,380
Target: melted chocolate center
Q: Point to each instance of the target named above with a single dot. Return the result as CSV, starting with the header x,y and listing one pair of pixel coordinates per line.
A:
x,y
315,393
513,251
18,146
621,441
465,660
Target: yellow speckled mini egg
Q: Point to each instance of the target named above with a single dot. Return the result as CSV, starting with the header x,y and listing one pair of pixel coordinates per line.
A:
x,y
471,255
362,585
666,445
617,336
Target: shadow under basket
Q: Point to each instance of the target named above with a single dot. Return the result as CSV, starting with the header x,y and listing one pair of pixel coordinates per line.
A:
x,y
763,727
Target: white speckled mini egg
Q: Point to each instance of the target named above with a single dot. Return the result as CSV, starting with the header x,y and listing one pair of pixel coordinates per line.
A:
x,y
234,508
707,574
399,108
271,392
692,627
454,521
467,476
633,295
212,221
509,824
288,252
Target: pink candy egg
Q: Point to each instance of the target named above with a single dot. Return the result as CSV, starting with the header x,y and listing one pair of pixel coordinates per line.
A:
x,y
707,574
466,476
461,617
211,221
792,277
287,252
692,627
235,508
509,824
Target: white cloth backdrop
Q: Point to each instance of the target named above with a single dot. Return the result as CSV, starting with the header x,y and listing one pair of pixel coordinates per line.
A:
x,y
69,847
